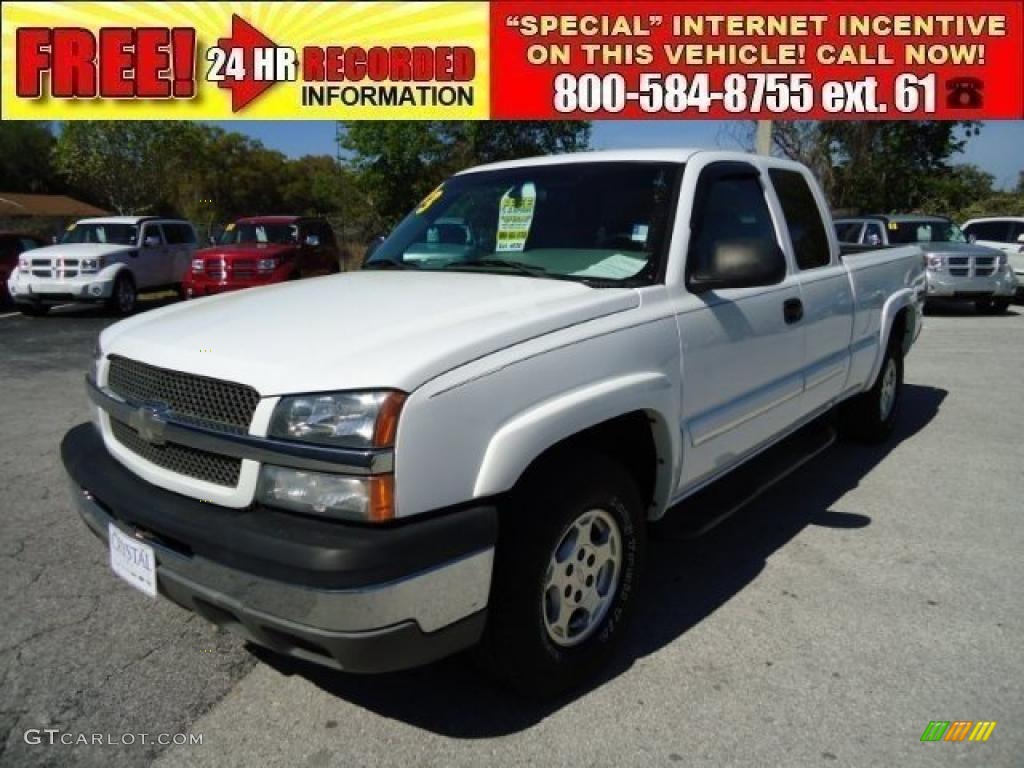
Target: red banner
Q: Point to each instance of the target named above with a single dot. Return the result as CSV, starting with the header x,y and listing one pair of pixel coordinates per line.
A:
x,y
785,60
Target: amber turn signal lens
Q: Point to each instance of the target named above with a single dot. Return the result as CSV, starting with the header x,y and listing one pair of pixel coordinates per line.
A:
x,y
386,428
382,498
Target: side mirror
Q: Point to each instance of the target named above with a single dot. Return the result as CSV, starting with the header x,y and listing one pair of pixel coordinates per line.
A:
x,y
151,241
740,263
212,240
972,238
313,241
1020,238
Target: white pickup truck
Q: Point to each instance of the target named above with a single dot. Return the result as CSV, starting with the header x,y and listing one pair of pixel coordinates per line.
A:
x,y
107,261
465,448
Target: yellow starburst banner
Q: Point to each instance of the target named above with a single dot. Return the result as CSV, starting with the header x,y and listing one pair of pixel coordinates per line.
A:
x,y
249,60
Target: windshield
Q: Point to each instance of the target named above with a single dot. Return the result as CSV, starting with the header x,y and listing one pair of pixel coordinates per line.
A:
x,y
592,222
931,231
249,232
117,234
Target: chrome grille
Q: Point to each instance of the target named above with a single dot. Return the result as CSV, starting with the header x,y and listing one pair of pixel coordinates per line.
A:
x,y
243,268
971,266
215,268
209,402
210,467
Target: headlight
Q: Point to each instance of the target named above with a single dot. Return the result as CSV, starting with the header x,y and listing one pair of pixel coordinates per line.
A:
x,y
266,265
197,265
339,419
935,262
24,264
1002,259
367,499
92,265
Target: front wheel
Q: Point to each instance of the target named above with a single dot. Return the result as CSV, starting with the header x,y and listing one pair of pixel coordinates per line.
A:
x,y
567,571
123,297
871,416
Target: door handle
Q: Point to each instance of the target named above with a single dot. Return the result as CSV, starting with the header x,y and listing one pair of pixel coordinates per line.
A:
x,y
793,310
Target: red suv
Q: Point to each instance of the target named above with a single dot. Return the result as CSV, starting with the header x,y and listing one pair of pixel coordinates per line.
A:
x,y
261,250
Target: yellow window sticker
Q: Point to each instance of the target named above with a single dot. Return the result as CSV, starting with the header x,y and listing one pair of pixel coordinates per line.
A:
x,y
229,227
893,225
71,226
515,216
430,199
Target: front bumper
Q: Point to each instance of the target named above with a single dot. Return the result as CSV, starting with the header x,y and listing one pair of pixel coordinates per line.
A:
x,y
355,597
201,285
36,290
1002,283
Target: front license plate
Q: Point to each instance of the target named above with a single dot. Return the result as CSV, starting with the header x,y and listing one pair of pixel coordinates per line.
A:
x,y
133,561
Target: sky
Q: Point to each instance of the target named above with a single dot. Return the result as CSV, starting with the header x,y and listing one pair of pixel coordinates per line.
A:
x,y
999,149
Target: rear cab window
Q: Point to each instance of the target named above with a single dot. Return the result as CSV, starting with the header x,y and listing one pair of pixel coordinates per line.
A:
x,y
803,219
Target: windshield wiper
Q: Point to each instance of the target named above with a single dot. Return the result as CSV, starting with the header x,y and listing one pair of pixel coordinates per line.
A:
x,y
515,266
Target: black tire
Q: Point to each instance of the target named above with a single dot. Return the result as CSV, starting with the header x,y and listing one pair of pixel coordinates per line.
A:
x,y
992,306
518,647
863,417
33,310
123,298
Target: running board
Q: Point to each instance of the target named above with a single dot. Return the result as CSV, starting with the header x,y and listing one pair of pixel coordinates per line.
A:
x,y
708,507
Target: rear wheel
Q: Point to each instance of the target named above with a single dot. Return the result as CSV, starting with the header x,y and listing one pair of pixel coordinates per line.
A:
x,y
871,416
992,306
567,570
123,297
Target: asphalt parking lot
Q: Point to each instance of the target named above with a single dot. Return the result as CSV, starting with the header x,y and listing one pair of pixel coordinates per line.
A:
x,y
873,591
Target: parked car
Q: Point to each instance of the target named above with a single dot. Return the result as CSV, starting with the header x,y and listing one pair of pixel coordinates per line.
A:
x,y
1005,233
105,260
957,269
380,468
12,245
261,250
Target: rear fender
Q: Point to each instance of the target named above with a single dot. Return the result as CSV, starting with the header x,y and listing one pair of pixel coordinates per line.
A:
x,y
903,299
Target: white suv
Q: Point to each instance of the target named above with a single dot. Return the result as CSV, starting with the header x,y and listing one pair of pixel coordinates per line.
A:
x,y
1005,233
104,260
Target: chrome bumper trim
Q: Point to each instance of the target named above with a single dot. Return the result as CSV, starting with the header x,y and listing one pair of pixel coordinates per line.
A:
x,y
262,449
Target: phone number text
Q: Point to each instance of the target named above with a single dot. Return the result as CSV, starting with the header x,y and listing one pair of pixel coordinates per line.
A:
x,y
775,93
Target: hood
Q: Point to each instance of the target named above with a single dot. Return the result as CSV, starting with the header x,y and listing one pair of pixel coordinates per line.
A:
x,y
78,250
246,250
358,329
959,249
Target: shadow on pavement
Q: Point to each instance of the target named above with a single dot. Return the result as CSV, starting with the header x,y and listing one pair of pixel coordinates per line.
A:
x,y
686,581
949,308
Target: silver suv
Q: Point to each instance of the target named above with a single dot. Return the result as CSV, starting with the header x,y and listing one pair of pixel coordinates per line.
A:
x,y
957,268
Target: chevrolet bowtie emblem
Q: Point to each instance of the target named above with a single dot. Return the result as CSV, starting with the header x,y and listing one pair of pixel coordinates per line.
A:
x,y
150,421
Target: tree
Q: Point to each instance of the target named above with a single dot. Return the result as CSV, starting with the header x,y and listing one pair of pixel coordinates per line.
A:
x,y
25,165
879,166
398,163
126,165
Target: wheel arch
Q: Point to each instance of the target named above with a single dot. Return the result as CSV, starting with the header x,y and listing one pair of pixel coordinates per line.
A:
x,y
899,316
626,418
